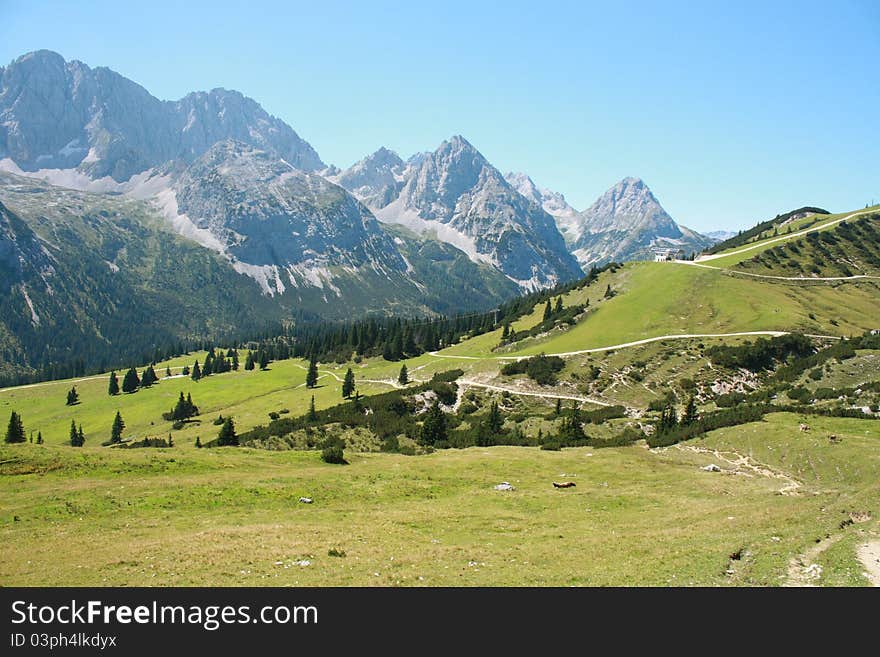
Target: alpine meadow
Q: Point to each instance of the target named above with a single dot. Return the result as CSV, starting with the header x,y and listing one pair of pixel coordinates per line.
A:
x,y
225,361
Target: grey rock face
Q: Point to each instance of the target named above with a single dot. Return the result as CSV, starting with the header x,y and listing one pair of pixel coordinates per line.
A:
x,y
626,223
266,212
58,115
455,193
376,180
23,258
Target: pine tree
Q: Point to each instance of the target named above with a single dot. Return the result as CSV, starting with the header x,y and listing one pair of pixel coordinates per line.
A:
x,y
434,427
185,370
167,372
348,384
505,333
170,441
235,363
72,397
609,292
77,437
130,381
113,389
198,442
690,412
494,422
558,409
403,377
149,377
196,371
264,359
312,374
227,434
15,430
208,367
558,308
39,437
116,430
548,311
313,414
249,361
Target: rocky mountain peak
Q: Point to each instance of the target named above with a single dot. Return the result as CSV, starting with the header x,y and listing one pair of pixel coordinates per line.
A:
x,y
64,115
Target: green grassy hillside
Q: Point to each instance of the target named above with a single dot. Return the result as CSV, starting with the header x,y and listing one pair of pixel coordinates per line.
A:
x,y
636,517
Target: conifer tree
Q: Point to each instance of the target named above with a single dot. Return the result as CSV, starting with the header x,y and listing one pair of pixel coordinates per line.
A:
x,y
264,359
196,371
116,430
505,333
495,422
403,377
185,370
130,381
609,292
208,367
227,435
235,363
72,397
149,377
39,437
198,442
313,414
77,437
434,427
249,361
167,372
548,311
558,409
113,388
348,384
558,308
690,412
312,374
15,430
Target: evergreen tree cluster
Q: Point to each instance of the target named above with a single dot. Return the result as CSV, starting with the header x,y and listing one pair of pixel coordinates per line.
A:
x,y
183,409
542,369
216,362
762,353
396,338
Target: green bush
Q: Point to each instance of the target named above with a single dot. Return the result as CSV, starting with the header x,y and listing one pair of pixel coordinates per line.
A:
x,y
333,454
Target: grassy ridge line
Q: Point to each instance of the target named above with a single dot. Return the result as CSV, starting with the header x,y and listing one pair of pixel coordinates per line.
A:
x,y
624,345
783,238
733,272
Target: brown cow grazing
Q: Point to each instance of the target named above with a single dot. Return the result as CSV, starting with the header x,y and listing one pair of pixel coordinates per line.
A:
x,y
564,484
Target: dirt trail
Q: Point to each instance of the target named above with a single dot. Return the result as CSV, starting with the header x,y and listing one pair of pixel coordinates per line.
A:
x,y
746,466
738,272
803,569
869,555
528,393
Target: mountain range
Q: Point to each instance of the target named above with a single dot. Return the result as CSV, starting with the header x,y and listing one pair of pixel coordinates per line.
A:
x,y
214,173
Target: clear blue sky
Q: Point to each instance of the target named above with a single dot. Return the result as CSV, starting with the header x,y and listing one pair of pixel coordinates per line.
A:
x,y
730,111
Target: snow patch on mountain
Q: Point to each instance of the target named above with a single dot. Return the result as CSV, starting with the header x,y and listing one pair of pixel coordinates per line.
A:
x,y
398,213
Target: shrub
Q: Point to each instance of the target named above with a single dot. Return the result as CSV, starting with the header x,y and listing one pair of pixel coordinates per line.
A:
x,y
542,369
333,454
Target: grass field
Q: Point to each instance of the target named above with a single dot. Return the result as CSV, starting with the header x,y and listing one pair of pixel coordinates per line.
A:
x,y
232,516
99,516
656,299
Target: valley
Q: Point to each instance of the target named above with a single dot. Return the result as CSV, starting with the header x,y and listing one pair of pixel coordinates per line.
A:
x,y
429,514
226,362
